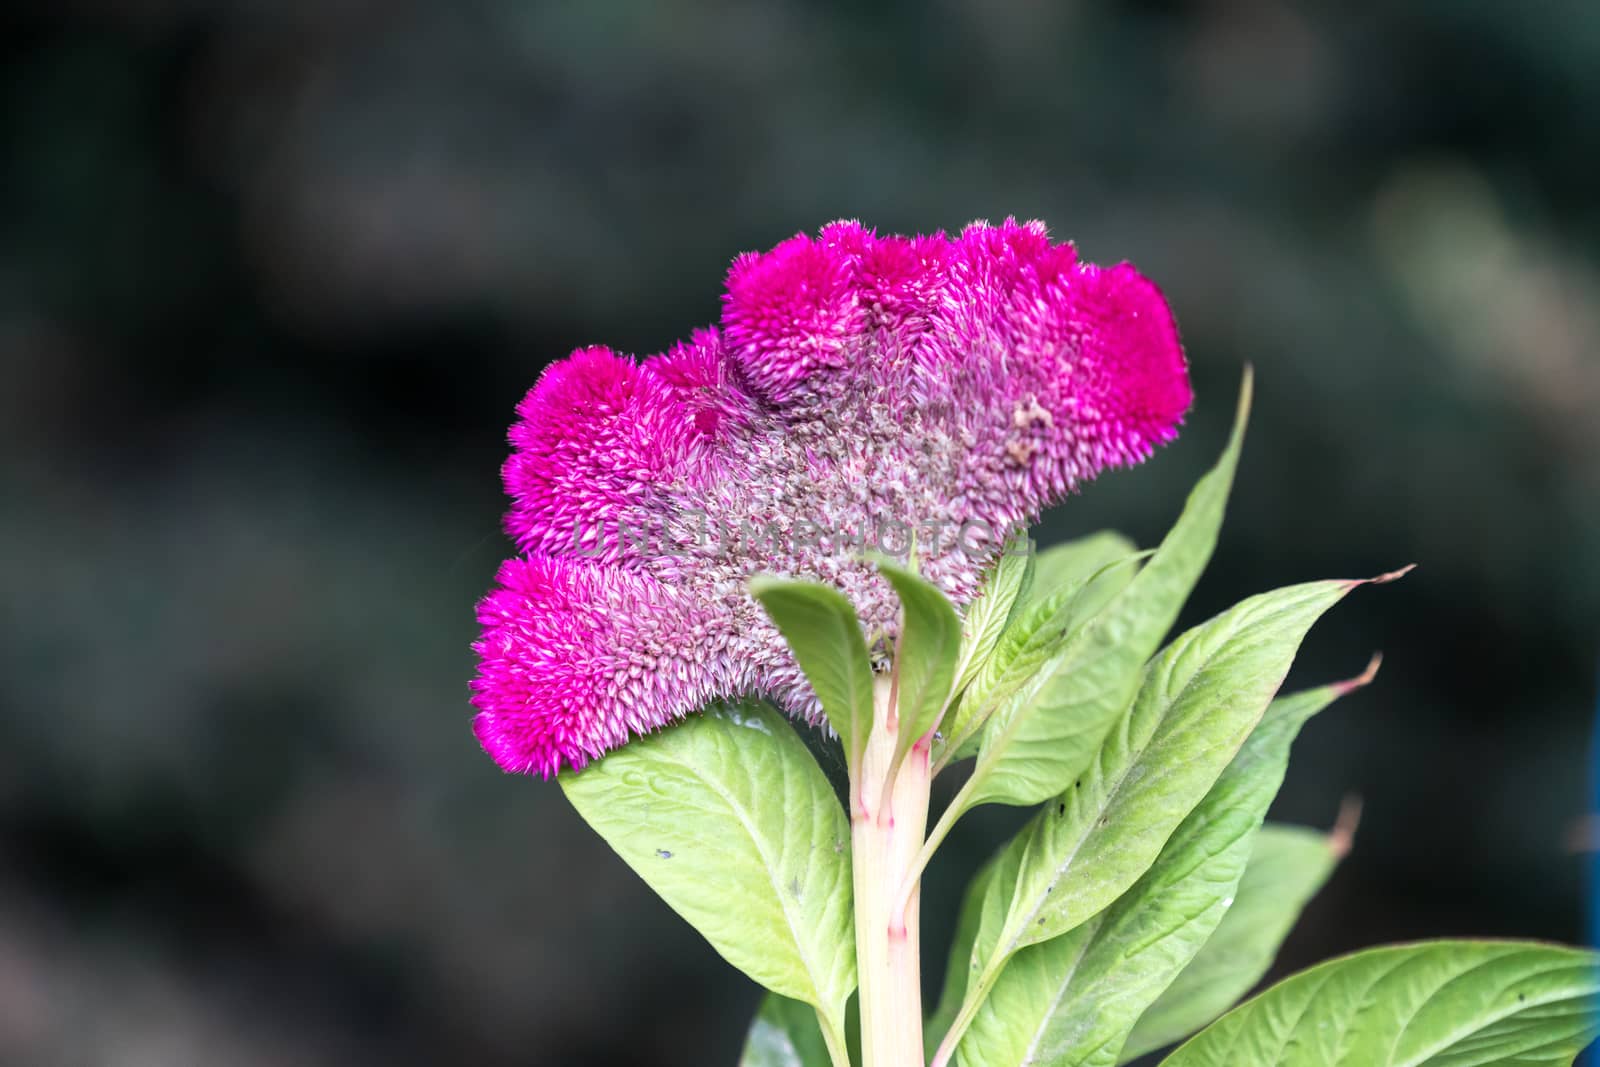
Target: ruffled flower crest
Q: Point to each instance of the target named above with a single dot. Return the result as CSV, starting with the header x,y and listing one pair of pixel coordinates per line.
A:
x,y
860,391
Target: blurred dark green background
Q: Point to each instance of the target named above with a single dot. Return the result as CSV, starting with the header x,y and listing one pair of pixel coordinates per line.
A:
x,y
272,277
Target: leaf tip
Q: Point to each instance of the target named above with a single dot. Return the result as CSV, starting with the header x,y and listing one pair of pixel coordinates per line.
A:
x,y
1380,579
1343,835
1391,576
1241,417
1364,678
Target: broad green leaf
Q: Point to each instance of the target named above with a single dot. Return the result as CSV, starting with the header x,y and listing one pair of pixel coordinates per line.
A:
x,y
822,630
1005,589
731,821
1073,999
1018,658
1288,865
956,970
1024,665
1036,745
983,915
785,1033
1438,1003
925,656
1199,701
1071,561
1077,578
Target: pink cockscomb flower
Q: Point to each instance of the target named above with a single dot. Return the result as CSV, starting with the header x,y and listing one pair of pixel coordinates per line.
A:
x,y
861,392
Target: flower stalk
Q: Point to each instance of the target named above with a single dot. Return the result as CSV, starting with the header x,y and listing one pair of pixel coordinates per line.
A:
x,y
889,815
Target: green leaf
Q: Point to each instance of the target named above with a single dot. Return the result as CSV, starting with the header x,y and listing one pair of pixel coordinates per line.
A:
x,y
925,657
1288,865
1077,560
956,970
983,914
1028,640
1021,664
1073,999
822,630
1455,1003
785,1033
731,821
1006,588
1200,699
1035,745
1069,582
1031,656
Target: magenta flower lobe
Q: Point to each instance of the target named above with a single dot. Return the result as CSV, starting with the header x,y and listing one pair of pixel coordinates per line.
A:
x,y
946,388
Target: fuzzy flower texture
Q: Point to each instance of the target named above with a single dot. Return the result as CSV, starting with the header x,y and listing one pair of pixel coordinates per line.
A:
x,y
861,392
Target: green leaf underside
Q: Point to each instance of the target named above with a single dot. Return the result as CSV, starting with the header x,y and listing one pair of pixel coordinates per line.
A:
x,y
1199,701
1004,593
1069,582
925,658
730,820
995,906
821,628
1077,560
784,1034
1440,1003
955,972
1021,664
1288,865
1074,999
1035,746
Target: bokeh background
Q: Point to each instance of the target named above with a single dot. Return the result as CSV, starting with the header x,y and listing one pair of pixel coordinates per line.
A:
x,y
273,275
